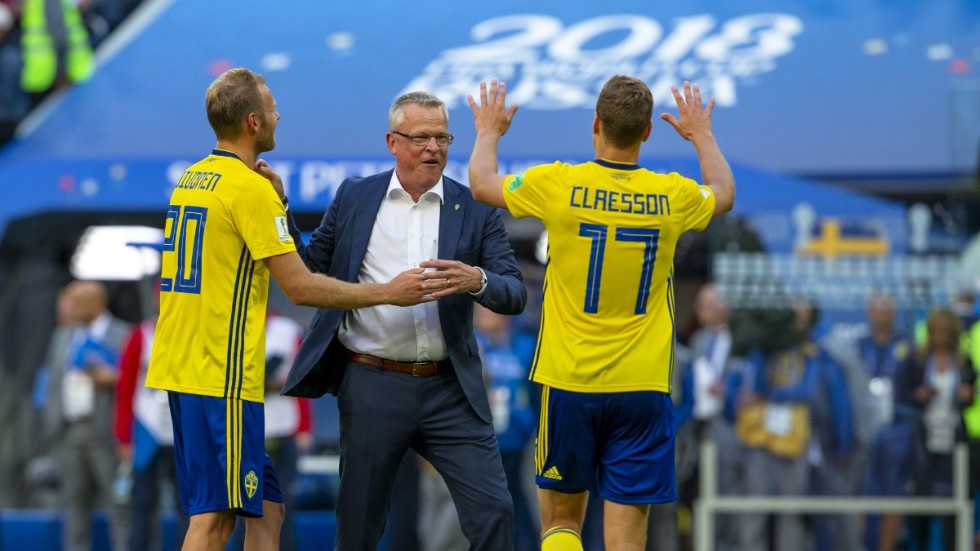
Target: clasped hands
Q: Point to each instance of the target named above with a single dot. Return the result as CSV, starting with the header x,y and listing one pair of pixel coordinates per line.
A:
x,y
432,280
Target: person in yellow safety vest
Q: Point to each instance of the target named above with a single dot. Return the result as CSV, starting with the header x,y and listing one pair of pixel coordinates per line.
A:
x,y
965,305
970,343
42,41
971,421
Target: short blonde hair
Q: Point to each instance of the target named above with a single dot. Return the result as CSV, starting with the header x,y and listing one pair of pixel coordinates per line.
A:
x,y
230,98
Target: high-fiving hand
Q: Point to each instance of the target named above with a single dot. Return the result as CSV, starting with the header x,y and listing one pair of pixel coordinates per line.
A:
x,y
492,116
694,118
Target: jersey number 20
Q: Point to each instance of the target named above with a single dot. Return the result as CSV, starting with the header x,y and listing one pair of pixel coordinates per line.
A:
x,y
186,239
598,233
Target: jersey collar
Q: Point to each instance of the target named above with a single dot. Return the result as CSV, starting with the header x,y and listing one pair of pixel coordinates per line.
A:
x,y
223,153
617,166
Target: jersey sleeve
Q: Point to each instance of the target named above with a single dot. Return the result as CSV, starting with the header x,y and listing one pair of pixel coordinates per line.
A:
x,y
530,192
261,219
698,202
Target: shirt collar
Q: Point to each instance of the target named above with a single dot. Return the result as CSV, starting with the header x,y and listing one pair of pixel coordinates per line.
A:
x,y
395,189
99,326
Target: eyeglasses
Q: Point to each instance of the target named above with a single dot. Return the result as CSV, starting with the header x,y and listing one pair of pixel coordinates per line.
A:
x,y
423,139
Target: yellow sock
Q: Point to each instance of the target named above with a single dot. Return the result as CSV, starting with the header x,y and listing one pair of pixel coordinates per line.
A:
x,y
561,538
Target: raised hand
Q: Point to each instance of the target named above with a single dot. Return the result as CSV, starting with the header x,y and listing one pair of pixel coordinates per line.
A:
x,y
492,114
694,118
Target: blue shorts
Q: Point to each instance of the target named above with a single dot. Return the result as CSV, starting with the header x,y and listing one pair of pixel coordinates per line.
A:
x,y
221,461
618,445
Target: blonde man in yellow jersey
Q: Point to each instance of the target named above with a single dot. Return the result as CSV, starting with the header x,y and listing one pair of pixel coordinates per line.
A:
x,y
225,233
606,345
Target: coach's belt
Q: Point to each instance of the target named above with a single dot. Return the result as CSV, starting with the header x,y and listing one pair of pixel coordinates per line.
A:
x,y
415,369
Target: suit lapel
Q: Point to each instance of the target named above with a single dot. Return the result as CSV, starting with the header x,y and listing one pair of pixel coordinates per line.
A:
x,y
450,220
450,228
365,213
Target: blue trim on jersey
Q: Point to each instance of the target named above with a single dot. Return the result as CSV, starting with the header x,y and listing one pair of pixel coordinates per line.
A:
x,y
223,153
615,165
673,330
245,300
540,339
236,331
245,292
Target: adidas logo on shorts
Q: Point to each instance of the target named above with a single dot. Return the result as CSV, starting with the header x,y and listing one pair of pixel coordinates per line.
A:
x,y
552,473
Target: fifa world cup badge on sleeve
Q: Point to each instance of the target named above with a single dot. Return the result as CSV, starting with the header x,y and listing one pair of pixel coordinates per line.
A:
x,y
282,229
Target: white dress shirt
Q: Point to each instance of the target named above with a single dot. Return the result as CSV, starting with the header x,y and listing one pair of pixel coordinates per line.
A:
x,y
709,368
405,233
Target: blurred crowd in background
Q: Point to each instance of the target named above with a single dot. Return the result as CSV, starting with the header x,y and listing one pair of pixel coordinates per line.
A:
x,y
794,407
47,45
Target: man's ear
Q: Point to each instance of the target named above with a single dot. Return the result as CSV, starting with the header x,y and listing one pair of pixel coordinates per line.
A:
x,y
646,133
252,123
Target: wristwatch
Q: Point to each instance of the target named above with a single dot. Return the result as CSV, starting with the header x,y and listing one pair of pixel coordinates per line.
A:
x,y
483,282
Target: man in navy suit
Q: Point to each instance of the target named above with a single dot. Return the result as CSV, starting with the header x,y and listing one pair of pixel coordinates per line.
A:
x,y
411,378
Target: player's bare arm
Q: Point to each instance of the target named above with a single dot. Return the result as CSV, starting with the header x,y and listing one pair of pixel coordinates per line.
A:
x,y
694,125
492,118
304,288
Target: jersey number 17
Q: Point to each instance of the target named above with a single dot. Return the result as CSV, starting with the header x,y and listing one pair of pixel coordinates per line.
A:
x,y
598,233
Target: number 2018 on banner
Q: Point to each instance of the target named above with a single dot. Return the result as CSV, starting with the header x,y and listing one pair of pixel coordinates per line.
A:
x,y
185,237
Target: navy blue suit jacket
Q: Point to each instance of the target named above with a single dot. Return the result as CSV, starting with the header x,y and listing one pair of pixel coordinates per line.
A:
x,y
470,232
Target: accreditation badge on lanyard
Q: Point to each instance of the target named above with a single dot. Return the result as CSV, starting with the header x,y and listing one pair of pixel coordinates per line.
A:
x,y
78,395
882,393
778,419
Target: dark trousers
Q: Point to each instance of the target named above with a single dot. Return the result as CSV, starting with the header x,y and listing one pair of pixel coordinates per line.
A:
x,y
146,498
383,414
526,536
401,529
934,478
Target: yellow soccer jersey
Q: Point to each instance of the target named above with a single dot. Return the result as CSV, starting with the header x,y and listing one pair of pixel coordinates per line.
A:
x,y
607,323
223,219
